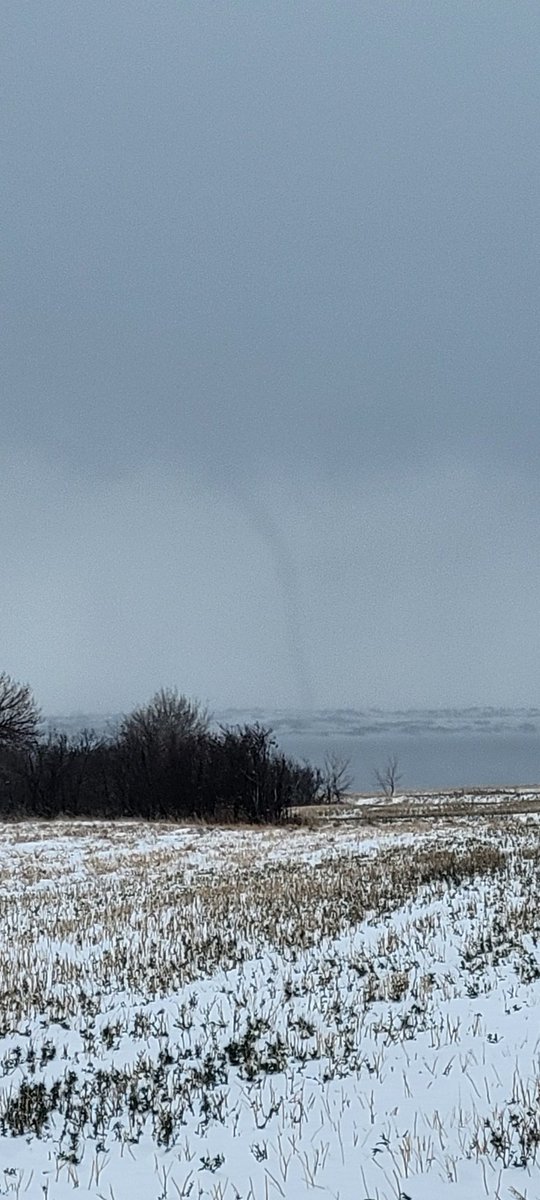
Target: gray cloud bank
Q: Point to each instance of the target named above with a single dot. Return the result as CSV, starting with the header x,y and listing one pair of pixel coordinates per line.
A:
x,y
270,355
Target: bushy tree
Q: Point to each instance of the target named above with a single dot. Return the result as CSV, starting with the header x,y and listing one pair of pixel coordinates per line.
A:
x,y
19,714
168,718
159,751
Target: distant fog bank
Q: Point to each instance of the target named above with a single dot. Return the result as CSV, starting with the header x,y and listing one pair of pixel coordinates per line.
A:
x,y
344,722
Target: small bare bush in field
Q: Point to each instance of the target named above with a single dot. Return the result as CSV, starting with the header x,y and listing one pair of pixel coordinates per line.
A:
x,y
389,777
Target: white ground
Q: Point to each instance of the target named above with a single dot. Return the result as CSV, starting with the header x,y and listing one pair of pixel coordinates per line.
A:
x,y
250,1015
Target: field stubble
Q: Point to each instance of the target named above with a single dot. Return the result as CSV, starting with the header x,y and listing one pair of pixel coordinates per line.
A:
x,y
241,1014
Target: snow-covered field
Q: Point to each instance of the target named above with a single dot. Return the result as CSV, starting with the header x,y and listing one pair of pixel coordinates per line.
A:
x,y
248,1015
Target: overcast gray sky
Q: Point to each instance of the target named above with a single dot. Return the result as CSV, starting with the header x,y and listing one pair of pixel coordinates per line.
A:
x,y
270,351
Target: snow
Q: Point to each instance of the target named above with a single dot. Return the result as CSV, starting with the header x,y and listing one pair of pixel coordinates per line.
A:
x,y
233,1014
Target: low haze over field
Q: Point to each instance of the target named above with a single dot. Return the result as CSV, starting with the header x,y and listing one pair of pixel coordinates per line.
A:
x,y
270,355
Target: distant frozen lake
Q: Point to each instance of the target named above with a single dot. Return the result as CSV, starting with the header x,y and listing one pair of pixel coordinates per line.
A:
x,y
429,760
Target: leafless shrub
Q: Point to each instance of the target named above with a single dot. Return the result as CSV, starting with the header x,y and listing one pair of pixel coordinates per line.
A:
x,y
389,777
336,779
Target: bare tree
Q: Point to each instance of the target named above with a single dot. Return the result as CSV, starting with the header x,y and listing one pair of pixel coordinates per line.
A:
x,y
19,714
389,778
336,779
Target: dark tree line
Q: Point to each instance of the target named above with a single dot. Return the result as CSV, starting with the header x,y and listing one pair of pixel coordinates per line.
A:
x,y
163,762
